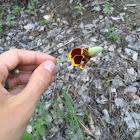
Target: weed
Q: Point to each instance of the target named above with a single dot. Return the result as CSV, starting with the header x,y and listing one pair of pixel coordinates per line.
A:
x,y
31,6
85,116
27,136
105,77
1,30
16,10
45,21
107,7
80,8
10,23
38,122
70,118
1,21
110,34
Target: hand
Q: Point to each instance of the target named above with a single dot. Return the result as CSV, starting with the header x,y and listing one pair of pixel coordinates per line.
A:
x,y
18,105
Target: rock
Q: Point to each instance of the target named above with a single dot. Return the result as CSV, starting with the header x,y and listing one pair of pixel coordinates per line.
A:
x,y
89,26
22,45
29,27
117,82
130,122
106,115
101,100
100,16
97,8
54,129
97,84
34,33
130,90
130,76
112,48
135,56
57,68
129,39
1,48
119,102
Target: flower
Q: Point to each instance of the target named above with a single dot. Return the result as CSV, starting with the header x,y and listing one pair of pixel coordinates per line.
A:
x,y
82,56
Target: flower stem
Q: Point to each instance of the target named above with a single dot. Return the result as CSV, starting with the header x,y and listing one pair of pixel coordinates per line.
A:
x,y
61,61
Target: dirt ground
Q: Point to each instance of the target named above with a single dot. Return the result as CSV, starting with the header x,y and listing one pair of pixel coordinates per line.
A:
x,y
109,86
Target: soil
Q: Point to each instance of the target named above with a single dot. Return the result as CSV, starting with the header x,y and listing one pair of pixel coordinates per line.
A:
x,y
109,85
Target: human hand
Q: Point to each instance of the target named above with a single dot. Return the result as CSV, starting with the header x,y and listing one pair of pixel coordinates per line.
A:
x,y
18,105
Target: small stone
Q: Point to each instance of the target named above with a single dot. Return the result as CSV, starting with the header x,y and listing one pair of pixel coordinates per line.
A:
x,y
34,33
97,8
29,27
135,56
119,102
22,45
130,89
100,16
106,115
57,68
101,100
112,48
89,26
81,25
129,39
61,51
117,82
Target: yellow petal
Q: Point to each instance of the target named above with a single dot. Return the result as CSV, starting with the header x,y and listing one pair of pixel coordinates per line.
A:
x,y
73,63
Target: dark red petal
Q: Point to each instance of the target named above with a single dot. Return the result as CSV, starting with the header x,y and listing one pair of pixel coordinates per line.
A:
x,y
77,60
76,51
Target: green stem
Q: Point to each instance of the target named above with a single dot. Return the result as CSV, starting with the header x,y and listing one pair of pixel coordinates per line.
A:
x,y
61,61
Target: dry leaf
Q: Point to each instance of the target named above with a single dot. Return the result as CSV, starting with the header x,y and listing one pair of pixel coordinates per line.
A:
x,y
76,91
49,16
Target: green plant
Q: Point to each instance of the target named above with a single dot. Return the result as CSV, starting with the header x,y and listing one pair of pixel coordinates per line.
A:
x,y
38,122
27,136
105,77
80,8
1,21
16,9
110,34
107,7
1,30
31,6
45,21
11,23
70,118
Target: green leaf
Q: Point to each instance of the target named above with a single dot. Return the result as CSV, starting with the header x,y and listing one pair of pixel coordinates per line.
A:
x,y
107,7
80,8
27,136
42,131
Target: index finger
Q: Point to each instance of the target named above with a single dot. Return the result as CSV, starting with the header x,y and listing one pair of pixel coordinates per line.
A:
x,y
11,59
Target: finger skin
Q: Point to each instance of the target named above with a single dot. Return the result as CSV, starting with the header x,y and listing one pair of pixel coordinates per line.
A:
x,y
16,91
38,82
20,79
27,67
20,57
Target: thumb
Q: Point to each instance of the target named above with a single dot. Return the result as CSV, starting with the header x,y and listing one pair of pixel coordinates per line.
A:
x,y
39,81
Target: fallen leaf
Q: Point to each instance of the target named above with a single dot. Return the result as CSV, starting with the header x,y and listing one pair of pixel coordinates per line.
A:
x,y
76,91
49,16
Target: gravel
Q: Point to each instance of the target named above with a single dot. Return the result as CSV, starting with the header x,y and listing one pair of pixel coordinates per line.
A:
x,y
110,82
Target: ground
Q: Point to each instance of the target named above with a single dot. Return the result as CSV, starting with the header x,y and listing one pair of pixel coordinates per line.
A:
x,y
105,95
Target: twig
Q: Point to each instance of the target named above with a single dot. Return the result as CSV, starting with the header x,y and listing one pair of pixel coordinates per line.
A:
x,y
86,129
104,70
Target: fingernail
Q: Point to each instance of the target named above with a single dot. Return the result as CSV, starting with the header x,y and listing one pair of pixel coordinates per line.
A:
x,y
49,66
